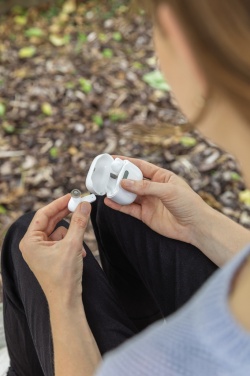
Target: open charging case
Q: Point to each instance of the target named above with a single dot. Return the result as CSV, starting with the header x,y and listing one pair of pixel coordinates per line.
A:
x,y
105,175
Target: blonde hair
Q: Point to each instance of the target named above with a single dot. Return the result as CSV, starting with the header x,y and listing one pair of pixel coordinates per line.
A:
x,y
219,32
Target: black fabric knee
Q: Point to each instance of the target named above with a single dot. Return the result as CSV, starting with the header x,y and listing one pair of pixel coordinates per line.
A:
x,y
147,270
22,299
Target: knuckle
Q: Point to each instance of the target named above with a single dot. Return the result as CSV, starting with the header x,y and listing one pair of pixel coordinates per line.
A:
x,y
172,177
144,185
79,221
39,211
39,214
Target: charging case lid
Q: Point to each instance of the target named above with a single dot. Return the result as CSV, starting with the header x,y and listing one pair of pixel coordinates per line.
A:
x,y
99,174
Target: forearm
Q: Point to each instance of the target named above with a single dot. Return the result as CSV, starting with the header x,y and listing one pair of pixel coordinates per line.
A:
x,y
75,350
218,237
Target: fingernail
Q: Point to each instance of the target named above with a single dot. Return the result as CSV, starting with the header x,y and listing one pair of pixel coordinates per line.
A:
x,y
128,183
85,208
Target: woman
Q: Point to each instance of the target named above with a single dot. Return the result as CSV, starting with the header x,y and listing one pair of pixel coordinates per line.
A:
x,y
61,313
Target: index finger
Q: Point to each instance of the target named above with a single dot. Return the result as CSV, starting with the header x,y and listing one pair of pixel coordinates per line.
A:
x,y
46,218
148,170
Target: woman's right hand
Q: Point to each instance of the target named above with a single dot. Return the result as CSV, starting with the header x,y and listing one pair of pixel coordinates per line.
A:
x,y
165,203
170,207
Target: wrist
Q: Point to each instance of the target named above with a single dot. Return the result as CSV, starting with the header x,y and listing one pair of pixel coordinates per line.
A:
x,y
219,237
63,303
200,231
61,314
69,325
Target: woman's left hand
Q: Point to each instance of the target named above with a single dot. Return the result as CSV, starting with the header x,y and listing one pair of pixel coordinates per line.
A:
x,y
56,257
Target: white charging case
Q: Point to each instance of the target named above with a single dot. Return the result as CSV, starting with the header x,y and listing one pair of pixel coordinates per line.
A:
x,y
105,175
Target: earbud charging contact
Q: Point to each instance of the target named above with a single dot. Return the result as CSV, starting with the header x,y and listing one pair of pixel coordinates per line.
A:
x,y
77,198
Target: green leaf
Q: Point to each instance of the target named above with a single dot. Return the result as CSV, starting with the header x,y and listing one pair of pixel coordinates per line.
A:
x,y
98,120
69,7
245,197
108,53
70,85
21,20
86,85
117,36
52,11
235,176
47,109
3,210
122,9
2,109
82,37
102,37
34,32
117,115
54,152
188,142
27,52
67,39
156,80
137,65
59,41
8,128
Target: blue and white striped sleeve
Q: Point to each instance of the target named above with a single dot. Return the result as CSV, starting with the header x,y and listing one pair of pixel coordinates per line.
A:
x,y
202,338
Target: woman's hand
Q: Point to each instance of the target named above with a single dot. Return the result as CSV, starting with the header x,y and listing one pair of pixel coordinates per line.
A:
x,y
165,202
56,258
170,207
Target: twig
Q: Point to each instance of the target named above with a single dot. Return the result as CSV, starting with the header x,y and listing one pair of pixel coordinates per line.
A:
x,y
10,153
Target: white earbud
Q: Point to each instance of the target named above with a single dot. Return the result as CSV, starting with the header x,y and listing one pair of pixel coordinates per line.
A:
x,y
117,165
76,199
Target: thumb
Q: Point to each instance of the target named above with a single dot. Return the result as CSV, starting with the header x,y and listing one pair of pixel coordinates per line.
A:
x,y
78,224
146,187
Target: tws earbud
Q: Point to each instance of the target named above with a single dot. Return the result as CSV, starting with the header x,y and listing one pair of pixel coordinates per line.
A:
x,y
117,165
76,199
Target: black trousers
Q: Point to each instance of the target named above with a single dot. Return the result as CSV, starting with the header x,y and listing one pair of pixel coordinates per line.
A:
x,y
145,277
